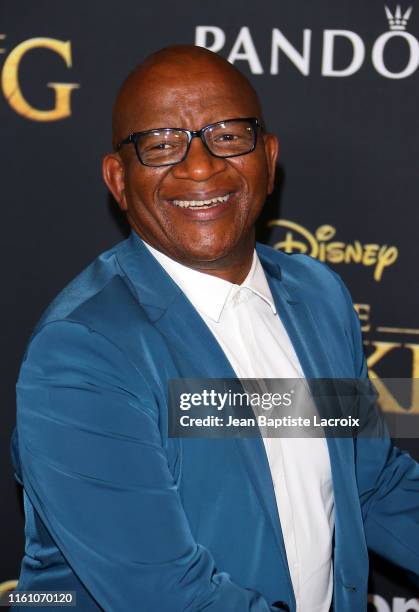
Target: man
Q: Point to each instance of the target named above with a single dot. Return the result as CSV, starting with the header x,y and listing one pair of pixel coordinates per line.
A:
x,y
116,510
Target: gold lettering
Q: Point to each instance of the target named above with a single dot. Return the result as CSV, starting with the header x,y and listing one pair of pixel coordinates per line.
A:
x,y
415,358
299,240
324,233
363,311
11,87
289,245
387,400
381,349
386,257
370,254
8,585
335,252
415,376
354,252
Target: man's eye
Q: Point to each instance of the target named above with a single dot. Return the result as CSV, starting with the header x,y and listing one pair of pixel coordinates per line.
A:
x,y
162,145
226,138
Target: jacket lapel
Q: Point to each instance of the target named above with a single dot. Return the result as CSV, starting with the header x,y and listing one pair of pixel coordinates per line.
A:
x,y
301,327
298,321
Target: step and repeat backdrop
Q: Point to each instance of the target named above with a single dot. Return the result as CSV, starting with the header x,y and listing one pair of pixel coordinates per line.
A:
x,y
339,86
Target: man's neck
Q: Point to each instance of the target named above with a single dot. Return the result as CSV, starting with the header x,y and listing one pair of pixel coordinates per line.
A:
x,y
233,267
235,272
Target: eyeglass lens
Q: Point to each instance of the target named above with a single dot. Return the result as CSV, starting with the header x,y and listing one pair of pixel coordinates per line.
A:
x,y
224,139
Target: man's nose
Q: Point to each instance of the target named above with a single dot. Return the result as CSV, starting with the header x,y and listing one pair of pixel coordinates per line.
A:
x,y
199,164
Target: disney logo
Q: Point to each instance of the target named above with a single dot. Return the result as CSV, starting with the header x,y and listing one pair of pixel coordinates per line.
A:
x,y
298,239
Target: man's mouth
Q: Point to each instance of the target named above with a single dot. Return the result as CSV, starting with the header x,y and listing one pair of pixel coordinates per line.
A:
x,y
210,203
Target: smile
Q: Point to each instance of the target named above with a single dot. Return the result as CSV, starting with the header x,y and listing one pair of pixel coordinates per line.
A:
x,y
201,203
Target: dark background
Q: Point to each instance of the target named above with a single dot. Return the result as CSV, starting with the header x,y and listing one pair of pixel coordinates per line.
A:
x,y
349,159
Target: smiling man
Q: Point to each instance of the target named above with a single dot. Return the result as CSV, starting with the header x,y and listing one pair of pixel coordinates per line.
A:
x,y
131,519
194,194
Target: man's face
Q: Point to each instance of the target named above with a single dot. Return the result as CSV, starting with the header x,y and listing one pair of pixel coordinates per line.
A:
x,y
150,196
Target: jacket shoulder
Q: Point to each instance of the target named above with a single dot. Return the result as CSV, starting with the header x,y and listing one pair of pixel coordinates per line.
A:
x,y
101,299
84,286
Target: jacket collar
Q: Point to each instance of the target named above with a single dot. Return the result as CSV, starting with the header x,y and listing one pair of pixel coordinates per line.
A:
x,y
153,287
156,290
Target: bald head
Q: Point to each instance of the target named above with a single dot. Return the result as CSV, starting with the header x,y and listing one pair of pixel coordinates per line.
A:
x,y
175,66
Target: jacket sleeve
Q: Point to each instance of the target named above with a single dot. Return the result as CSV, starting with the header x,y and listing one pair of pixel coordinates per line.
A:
x,y
95,470
388,483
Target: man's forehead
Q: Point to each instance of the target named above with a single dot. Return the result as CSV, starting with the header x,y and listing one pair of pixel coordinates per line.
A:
x,y
165,83
197,91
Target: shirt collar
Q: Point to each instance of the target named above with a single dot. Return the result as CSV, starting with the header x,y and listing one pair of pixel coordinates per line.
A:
x,y
257,283
209,294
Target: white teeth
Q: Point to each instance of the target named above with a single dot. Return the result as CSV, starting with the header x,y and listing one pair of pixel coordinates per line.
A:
x,y
200,203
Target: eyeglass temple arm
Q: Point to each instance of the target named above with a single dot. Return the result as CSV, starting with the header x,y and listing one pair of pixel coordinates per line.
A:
x,y
126,140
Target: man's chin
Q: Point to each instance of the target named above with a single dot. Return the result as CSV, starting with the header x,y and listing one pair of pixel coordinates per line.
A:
x,y
201,257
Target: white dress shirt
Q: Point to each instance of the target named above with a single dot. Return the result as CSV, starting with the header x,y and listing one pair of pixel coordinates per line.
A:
x,y
244,321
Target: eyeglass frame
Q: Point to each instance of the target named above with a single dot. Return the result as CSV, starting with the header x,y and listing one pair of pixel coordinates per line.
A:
x,y
133,138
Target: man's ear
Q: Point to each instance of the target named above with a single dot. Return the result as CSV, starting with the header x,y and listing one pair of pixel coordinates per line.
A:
x,y
271,152
114,177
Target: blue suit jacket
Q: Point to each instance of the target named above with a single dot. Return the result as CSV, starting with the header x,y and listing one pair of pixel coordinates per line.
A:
x,y
134,520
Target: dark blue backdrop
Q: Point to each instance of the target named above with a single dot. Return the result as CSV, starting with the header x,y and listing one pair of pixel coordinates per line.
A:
x,y
339,86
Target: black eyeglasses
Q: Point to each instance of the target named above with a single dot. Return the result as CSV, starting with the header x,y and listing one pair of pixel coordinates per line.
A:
x,y
169,146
